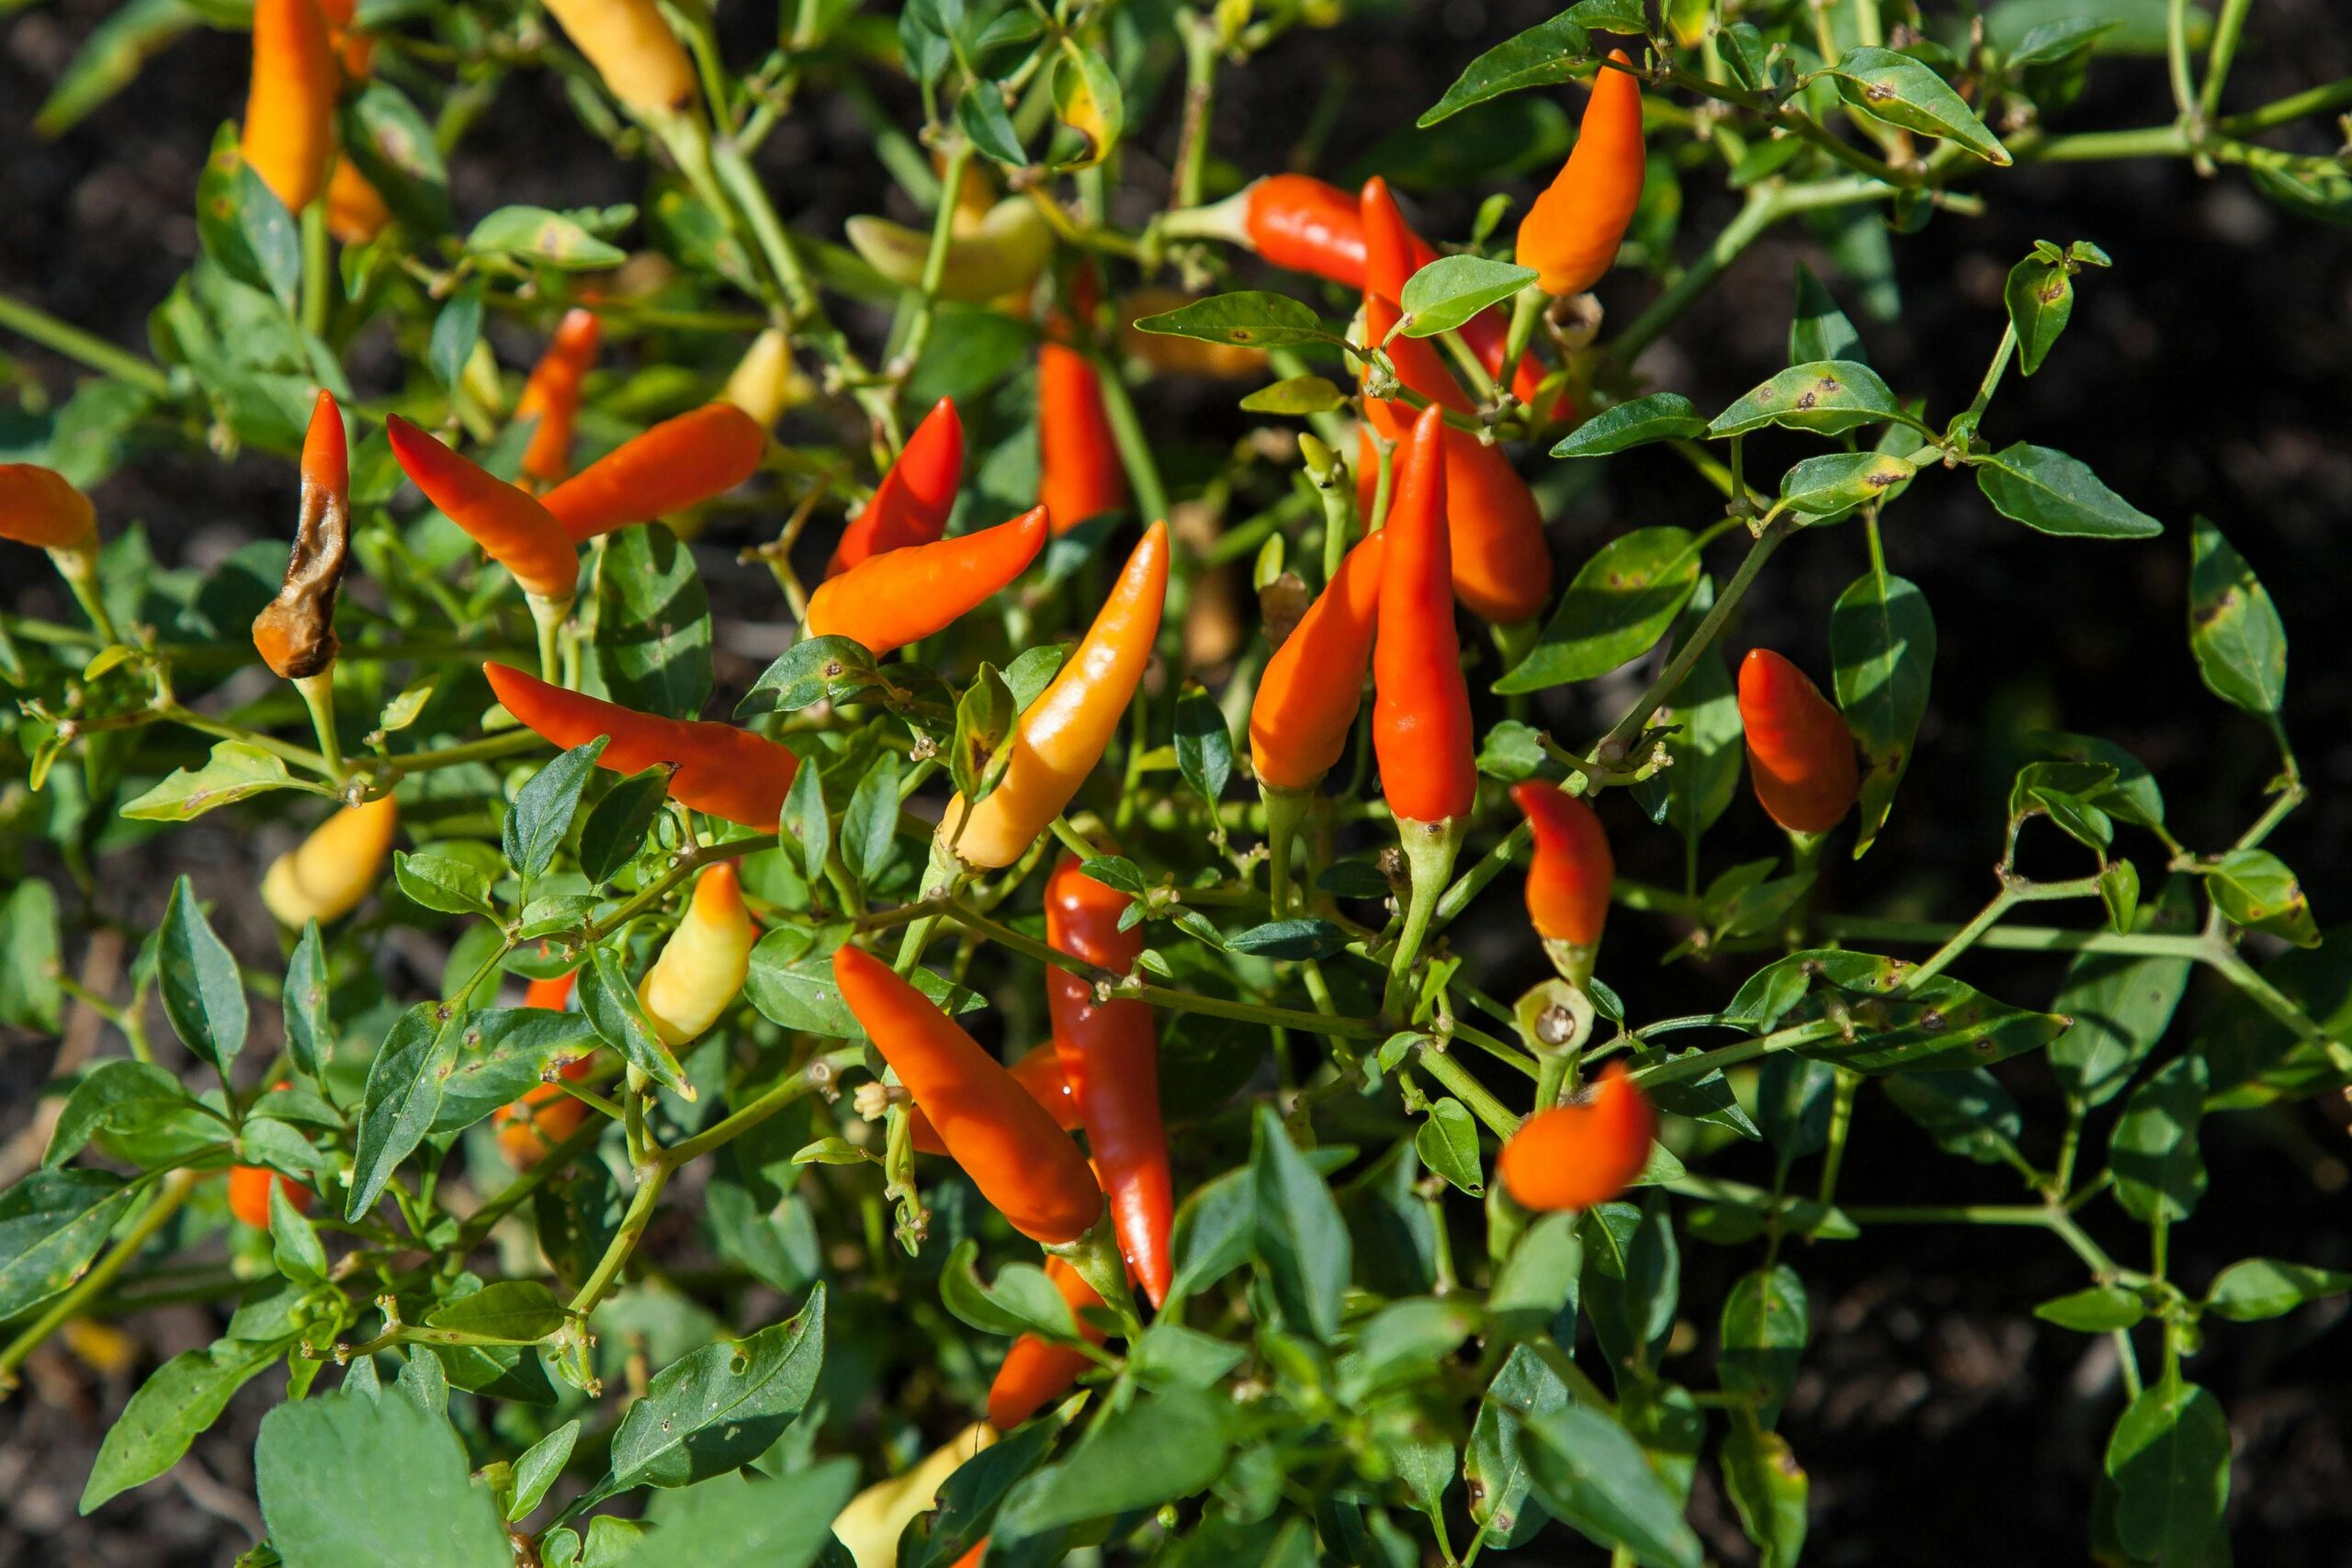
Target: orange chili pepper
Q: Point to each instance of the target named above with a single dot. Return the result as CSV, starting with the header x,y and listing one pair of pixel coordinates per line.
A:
x,y
295,632
1570,236
911,503
632,48
1307,698
1420,707
1079,473
40,507
1569,877
552,395
1110,1053
729,773
972,1557
1062,735
354,49
1039,1072
1502,568
249,1194
1006,1142
1037,1372
677,463
289,109
1574,1156
507,522
544,1116
1800,753
889,600
355,209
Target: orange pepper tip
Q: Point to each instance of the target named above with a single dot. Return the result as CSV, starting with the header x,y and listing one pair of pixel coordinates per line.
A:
x,y
722,887
578,334
40,507
553,996
326,454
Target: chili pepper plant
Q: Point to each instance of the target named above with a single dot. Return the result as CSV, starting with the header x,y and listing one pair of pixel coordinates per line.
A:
x,y
1034,1022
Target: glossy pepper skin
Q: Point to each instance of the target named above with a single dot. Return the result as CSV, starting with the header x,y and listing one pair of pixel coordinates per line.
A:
x,y
1110,1053
1570,236
552,395
632,48
325,876
507,522
1079,473
911,503
727,771
1039,1072
355,209
249,1194
1800,753
701,968
40,507
1501,566
1574,1156
1062,735
706,452
1037,1372
1420,706
544,1116
1307,698
1006,1142
1568,879
889,600
289,109
295,633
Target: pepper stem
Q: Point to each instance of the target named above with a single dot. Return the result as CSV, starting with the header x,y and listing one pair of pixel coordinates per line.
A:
x,y
941,876
318,695
1286,809
79,567
548,615
1430,849
1096,1257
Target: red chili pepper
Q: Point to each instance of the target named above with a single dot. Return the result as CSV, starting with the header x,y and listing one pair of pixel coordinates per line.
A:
x,y
1420,708
1307,698
1502,568
507,522
1110,1052
889,600
1036,1371
1800,753
1568,880
727,771
1039,1072
249,1194
552,395
1023,1165
911,503
1079,473
1574,1156
1570,236
674,466
972,1557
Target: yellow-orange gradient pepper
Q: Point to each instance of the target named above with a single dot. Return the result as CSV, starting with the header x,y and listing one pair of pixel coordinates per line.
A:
x,y
702,966
326,875
290,111
1570,236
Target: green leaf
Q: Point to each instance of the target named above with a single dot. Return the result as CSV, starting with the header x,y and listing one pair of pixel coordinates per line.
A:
x,y
1883,640
503,1053
652,624
51,1223
1171,1355
2262,1287
403,1092
791,983
456,330
2255,889
2169,1458
1213,1230
348,1478
1767,1320
981,111
2049,491
2122,1004
2100,1309
1448,1145
236,770
807,673
543,808
538,1469
507,1312
1967,1112
618,824
1450,291
116,1096
110,59
30,997
1300,1236
1820,331
1708,749
1161,1447
807,818
439,879
2040,295
870,825
1933,1025
1023,1301
2154,1153
1250,318
746,1521
720,1408
2233,629
1834,484
1295,939
609,1003
1828,397
1543,56
542,235
196,978
294,1242
394,147
984,717
310,1032
1297,395
1769,1491
1087,99
1620,603
1901,91
1594,1477
1203,745
1661,416
1495,1465
179,1401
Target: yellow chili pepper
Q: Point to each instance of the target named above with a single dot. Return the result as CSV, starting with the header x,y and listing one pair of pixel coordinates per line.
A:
x,y
290,111
872,1522
326,875
632,48
702,966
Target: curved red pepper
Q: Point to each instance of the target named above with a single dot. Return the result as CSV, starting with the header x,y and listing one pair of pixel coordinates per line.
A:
x,y
911,503
1569,876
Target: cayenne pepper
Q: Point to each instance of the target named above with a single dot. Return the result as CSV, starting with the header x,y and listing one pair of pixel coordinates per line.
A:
x,y
325,876
889,600
288,135
633,50
1037,1372
295,632
1568,876
1570,236
551,396
702,967
1079,473
1800,753
676,463
911,503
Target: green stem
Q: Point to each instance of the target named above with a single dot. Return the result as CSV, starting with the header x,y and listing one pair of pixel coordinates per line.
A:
x,y
318,696
1134,447
638,1215
1499,1117
2223,52
1612,749
935,261
318,270
821,1073
1994,371
2009,897
30,321
2184,89
1430,852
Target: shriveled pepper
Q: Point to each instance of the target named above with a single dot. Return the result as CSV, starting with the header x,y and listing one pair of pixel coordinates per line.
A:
x,y
679,462
1079,473
1570,236
1573,1156
633,50
506,521
1800,752
249,1194
1569,875
1420,711
552,395
1037,1372
1307,698
911,503
1006,1142
289,109
1039,1072
889,600
1110,1053
326,875
727,771
544,1116
1061,736
701,968
295,632
1501,566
